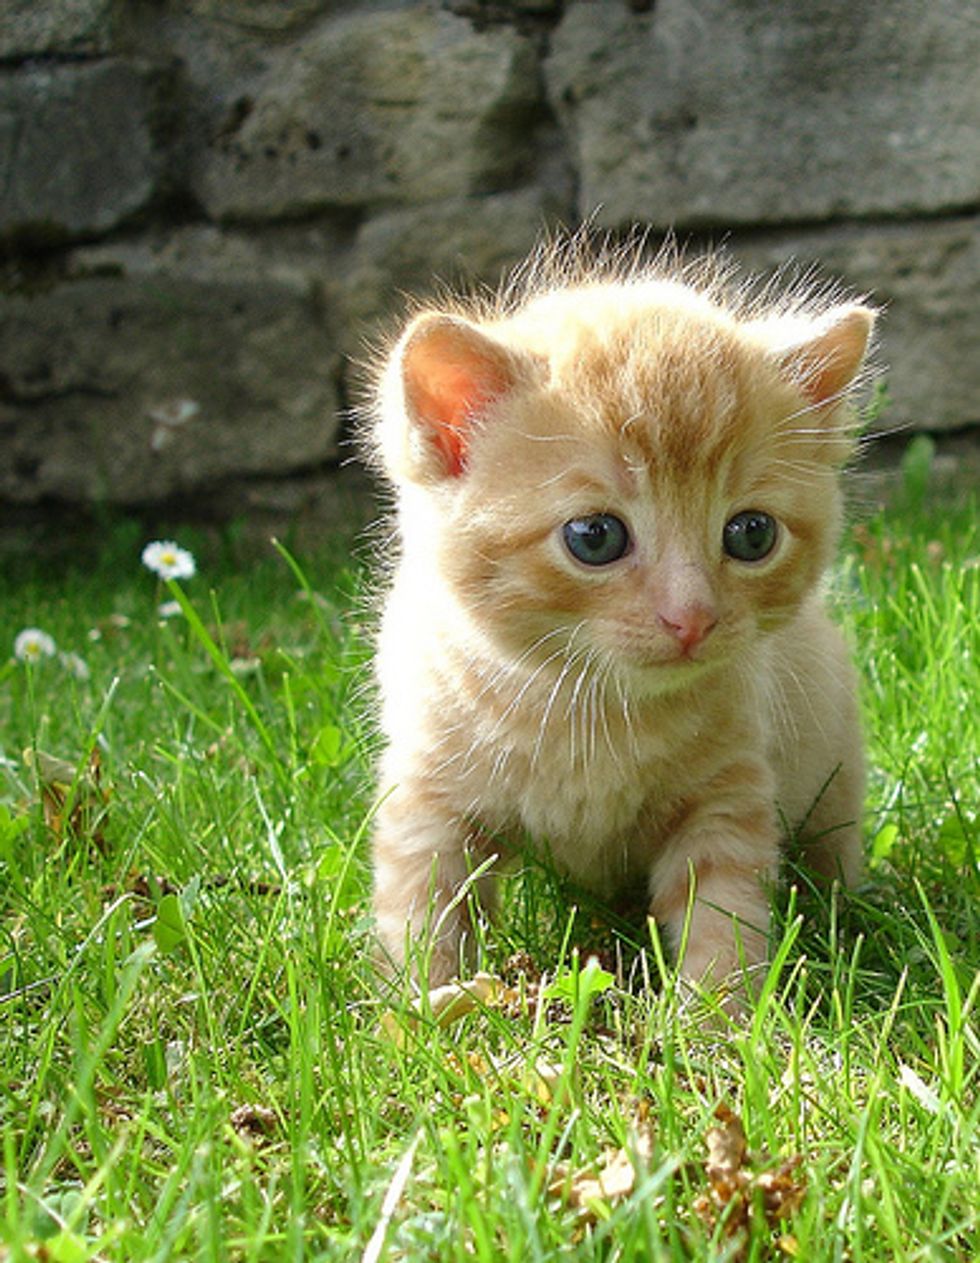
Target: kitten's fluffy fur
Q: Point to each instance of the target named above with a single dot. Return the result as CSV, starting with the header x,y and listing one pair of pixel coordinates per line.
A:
x,y
650,719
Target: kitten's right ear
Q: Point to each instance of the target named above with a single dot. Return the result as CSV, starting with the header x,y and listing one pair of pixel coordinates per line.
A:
x,y
449,374
825,358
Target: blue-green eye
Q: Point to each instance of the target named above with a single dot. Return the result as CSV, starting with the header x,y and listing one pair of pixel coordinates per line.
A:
x,y
750,536
596,540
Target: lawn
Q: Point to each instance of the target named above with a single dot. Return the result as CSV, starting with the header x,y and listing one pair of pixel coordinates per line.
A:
x,y
199,1059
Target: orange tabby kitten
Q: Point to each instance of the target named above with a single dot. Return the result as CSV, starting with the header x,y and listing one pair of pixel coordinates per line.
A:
x,y
617,493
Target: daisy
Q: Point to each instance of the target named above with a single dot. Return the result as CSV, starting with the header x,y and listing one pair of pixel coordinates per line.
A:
x,y
32,644
75,665
168,561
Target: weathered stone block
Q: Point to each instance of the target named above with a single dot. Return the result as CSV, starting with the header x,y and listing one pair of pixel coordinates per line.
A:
x,y
260,15
412,251
406,106
708,112
926,277
151,374
31,28
77,147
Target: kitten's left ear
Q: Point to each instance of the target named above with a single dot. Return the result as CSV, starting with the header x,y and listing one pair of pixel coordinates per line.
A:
x,y
825,359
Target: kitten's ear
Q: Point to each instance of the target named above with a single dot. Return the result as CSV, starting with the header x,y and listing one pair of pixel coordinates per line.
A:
x,y
450,373
825,359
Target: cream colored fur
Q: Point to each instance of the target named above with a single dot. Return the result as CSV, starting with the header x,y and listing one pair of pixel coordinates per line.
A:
x,y
649,721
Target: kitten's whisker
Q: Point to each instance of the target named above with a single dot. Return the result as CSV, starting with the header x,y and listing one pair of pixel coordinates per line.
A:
x,y
581,439
627,714
584,709
546,714
798,480
506,670
808,467
500,762
825,405
555,478
480,739
791,673
515,701
630,421
784,714
593,706
553,695
574,713
590,717
614,753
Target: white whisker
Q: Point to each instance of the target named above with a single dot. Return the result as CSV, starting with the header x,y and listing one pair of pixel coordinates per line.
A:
x,y
570,658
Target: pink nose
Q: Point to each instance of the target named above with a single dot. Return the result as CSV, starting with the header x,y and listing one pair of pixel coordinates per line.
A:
x,y
689,626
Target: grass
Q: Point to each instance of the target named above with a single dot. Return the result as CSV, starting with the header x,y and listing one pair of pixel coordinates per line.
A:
x,y
198,1059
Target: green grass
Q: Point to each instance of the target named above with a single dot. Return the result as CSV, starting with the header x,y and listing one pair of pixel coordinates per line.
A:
x,y
198,1059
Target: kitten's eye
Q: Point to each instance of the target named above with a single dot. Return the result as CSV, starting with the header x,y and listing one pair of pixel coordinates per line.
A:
x,y
750,536
597,540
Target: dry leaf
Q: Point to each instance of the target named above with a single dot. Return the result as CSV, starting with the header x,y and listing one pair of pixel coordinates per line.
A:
x,y
615,1180
453,1001
541,1080
726,1153
735,1190
782,1190
447,1005
254,1121
75,804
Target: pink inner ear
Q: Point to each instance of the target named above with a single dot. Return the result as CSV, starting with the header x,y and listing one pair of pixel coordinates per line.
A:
x,y
824,380
451,372
829,361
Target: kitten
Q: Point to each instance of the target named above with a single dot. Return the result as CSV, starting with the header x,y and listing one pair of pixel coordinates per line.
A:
x,y
616,493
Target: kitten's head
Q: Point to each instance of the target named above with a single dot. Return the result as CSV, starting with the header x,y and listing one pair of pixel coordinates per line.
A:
x,y
630,468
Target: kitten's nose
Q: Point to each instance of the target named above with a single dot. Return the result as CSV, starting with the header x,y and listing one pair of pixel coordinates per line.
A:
x,y
689,625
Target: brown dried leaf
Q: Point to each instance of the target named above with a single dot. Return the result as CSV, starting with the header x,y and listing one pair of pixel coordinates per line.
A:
x,y
542,1080
733,1187
615,1179
782,1190
75,804
254,1121
447,1005
726,1145
456,999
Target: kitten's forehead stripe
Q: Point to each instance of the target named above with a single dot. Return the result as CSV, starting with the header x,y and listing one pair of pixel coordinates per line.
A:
x,y
675,396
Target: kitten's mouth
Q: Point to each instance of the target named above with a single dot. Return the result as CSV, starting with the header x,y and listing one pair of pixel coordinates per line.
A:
x,y
664,678
660,668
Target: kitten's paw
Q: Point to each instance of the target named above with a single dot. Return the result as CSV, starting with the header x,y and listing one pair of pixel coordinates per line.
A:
x,y
714,1010
725,978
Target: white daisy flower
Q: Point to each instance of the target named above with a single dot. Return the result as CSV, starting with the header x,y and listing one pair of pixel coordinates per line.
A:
x,y
164,558
32,644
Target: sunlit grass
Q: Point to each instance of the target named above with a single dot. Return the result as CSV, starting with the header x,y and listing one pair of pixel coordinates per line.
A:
x,y
198,1058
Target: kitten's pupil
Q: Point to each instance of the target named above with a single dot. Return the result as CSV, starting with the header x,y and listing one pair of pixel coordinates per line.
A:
x,y
596,540
750,536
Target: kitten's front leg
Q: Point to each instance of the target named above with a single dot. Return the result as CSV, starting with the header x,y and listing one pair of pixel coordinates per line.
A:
x,y
728,844
421,866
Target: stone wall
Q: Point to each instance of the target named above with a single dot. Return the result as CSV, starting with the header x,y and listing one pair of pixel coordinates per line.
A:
x,y
206,206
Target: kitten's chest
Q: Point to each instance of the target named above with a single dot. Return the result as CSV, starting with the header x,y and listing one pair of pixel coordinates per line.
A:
x,y
580,816
584,774
576,798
